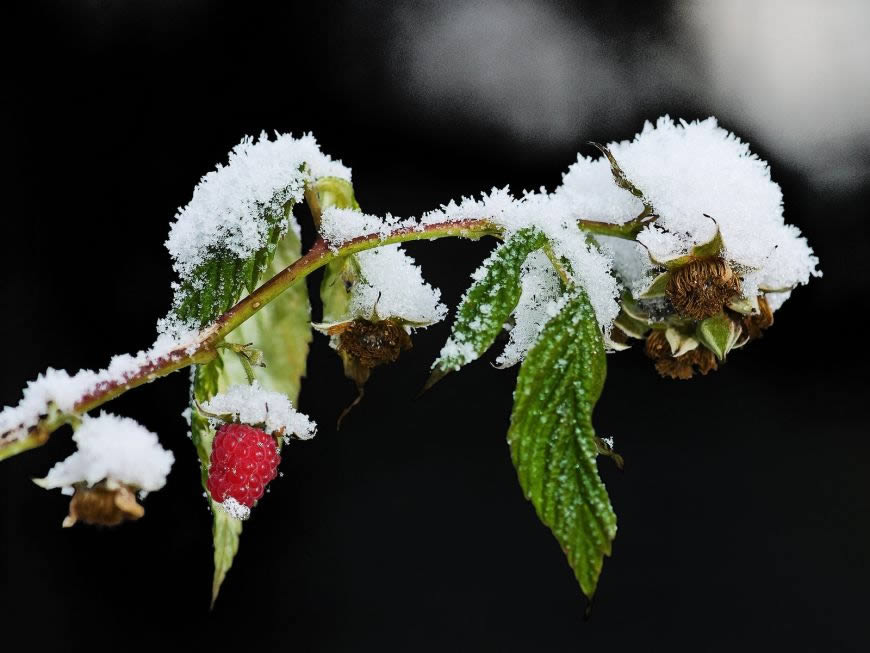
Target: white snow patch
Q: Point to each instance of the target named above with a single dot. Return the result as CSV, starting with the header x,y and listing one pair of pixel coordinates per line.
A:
x,y
64,391
251,404
235,509
392,285
226,210
338,226
540,300
113,448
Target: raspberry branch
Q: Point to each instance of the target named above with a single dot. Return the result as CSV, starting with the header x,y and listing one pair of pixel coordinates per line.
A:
x,y
204,345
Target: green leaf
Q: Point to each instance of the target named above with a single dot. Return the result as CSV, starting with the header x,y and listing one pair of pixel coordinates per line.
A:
x,y
487,304
209,380
217,283
282,332
553,444
226,531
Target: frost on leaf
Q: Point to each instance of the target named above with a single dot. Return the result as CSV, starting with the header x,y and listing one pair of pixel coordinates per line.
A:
x,y
549,214
539,301
223,240
488,303
251,404
226,212
553,444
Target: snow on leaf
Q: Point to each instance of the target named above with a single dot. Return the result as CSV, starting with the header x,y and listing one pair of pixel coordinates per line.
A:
x,y
222,241
540,300
553,444
228,206
488,303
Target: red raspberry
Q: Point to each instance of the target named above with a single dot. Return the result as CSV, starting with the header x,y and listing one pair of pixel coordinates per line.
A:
x,y
243,461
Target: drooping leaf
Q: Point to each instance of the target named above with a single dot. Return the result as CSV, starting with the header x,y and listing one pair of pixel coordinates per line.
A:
x,y
282,332
209,380
226,531
218,282
553,444
487,304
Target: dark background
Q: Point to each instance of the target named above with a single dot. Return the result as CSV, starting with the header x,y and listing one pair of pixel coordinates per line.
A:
x,y
743,508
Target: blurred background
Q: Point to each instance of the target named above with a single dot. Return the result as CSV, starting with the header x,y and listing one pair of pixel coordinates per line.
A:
x,y
743,506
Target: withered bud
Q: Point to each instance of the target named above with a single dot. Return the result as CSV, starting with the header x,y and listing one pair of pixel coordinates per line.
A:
x,y
619,336
657,345
755,324
104,504
373,343
701,288
683,367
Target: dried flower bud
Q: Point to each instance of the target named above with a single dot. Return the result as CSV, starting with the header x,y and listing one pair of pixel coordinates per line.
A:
x,y
106,503
702,287
372,343
699,359
657,345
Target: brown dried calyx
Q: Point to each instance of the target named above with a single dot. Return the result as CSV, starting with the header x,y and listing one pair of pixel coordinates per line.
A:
x,y
682,367
371,344
105,504
702,287
755,324
365,344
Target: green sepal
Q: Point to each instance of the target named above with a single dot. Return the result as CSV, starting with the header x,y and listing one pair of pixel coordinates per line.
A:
x,y
631,326
488,303
657,286
713,247
680,341
622,180
341,273
329,192
553,444
719,334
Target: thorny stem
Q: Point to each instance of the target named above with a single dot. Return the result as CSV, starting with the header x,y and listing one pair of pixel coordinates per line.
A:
x,y
203,348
